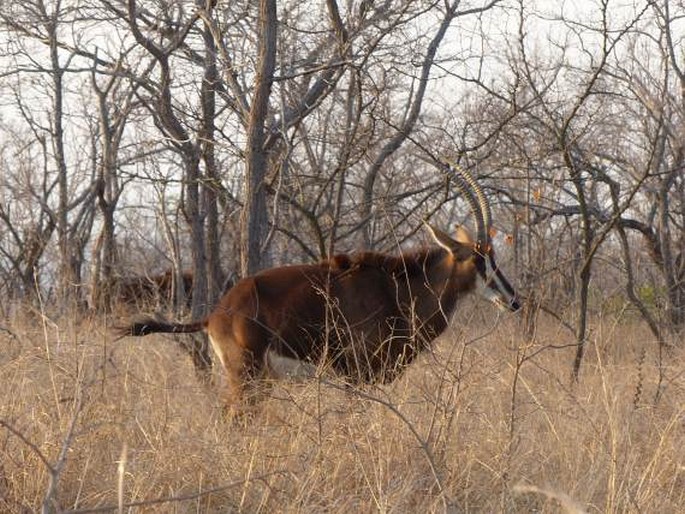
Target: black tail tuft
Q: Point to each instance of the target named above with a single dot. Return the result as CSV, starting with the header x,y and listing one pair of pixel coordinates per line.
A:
x,y
143,328
152,326
139,328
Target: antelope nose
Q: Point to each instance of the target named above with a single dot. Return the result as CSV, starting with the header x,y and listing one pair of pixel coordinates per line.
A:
x,y
514,304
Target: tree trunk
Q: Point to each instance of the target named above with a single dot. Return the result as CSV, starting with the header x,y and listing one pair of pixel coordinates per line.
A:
x,y
210,185
254,219
195,218
65,278
585,271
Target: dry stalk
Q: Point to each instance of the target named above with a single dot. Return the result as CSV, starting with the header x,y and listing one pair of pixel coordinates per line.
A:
x,y
423,443
567,503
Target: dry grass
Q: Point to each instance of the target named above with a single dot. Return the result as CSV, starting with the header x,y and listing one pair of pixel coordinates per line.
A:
x,y
488,422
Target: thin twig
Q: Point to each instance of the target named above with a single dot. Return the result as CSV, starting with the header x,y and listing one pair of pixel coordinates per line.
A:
x,y
55,470
173,499
392,408
10,428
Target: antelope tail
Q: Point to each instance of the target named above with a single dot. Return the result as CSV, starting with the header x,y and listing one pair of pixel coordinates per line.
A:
x,y
152,326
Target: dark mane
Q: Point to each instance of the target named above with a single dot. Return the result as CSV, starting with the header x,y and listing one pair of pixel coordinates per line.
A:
x,y
338,262
411,263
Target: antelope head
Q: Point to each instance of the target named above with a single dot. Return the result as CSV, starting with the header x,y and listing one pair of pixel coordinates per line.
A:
x,y
493,285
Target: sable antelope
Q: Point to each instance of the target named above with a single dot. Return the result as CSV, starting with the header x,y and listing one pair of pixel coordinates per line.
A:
x,y
143,289
366,315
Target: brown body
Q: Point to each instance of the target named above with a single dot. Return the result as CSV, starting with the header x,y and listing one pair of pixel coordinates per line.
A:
x,y
365,315
366,321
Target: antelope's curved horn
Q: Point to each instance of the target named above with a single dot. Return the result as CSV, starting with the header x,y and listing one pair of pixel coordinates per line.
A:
x,y
482,199
476,199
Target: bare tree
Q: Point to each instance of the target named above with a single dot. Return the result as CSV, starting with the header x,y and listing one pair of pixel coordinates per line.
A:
x,y
255,216
114,107
188,147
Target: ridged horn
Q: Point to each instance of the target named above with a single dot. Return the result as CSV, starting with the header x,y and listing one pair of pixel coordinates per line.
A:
x,y
482,199
477,201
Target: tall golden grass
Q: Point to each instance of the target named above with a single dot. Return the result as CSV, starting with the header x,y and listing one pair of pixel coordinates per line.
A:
x,y
489,421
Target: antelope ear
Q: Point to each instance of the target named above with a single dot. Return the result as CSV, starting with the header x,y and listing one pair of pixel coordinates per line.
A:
x,y
462,250
463,235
